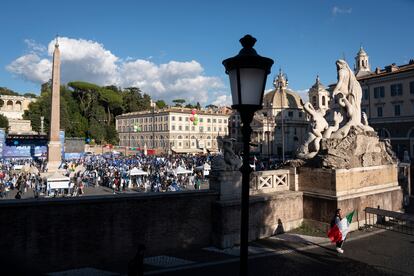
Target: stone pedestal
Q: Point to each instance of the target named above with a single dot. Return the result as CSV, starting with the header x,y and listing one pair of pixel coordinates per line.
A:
x,y
269,212
325,190
54,154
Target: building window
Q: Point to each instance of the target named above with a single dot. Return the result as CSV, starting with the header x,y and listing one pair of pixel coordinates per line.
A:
x,y
219,120
300,114
214,121
180,119
314,101
397,110
172,118
412,87
165,127
323,101
173,127
201,120
379,92
379,111
208,120
290,114
208,128
193,128
396,89
187,128
180,128
366,94
201,129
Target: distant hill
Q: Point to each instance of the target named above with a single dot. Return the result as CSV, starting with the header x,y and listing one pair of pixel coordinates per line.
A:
x,y
6,91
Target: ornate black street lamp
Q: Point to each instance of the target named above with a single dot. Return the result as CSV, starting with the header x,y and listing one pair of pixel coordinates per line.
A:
x,y
248,73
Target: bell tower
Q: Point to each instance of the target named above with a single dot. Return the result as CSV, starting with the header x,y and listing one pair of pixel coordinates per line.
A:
x,y
362,63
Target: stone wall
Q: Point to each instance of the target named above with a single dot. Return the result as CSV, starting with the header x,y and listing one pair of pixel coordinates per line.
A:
x,y
340,182
269,214
325,190
66,233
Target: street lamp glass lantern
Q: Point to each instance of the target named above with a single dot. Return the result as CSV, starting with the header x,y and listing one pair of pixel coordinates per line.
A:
x,y
248,73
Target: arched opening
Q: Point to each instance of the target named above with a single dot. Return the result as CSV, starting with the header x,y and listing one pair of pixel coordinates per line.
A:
x,y
314,101
411,133
383,133
9,105
323,101
18,106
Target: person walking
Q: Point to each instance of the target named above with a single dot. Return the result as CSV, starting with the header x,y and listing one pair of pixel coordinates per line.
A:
x,y
339,229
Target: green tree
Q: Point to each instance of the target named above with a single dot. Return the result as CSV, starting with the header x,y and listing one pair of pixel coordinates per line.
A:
x,y
30,95
4,122
179,102
212,106
112,101
160,104
134,100
6,91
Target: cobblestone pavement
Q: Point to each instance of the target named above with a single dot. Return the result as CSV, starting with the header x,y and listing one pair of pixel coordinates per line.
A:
x,y
367,252
370,252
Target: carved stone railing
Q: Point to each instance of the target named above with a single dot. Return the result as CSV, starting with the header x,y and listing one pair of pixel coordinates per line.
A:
x,y
269,181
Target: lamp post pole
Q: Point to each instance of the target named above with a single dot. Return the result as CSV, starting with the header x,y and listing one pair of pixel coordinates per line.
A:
x,y
153,124
247,73
246,117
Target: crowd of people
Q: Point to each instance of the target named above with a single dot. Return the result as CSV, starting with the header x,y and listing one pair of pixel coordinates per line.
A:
x,y
159,173
115,172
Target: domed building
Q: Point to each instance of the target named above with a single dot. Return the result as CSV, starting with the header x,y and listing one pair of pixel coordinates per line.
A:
x,y
282,112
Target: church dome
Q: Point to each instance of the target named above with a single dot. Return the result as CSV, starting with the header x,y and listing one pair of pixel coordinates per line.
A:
x,y
290,99
277,99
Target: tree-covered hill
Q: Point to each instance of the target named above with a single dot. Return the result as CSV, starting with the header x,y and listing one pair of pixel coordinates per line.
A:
x,y
88,110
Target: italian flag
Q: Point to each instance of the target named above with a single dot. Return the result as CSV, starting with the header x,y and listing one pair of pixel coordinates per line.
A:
x,y
339,231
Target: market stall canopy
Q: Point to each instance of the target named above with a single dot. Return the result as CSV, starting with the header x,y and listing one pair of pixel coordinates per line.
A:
x,y
181,170
80,168
205,167
136,171
178,150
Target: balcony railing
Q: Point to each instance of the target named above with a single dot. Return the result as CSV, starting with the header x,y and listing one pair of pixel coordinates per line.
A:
x,y
269,181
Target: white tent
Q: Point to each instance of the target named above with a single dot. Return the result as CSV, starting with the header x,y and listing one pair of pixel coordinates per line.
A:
x,y
181,170
205,167
136,171
80,169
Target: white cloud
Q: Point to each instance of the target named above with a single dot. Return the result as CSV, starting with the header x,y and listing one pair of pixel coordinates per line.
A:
x,y
337,10
34,47
303,94
89,61
222,100
31,67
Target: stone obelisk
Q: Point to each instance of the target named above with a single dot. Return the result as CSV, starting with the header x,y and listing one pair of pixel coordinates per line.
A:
x,y
54,155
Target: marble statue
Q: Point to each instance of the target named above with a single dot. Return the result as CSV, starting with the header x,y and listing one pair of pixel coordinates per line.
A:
x,y
320,129
349,93
350,142
229,161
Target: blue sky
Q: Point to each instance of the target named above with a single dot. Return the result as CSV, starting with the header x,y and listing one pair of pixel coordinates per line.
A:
x,y
174,49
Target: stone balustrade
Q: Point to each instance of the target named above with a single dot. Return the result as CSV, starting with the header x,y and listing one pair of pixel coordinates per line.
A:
x,y
269,181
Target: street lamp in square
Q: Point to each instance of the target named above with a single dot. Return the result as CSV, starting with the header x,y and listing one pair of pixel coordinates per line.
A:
x,y
247,73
